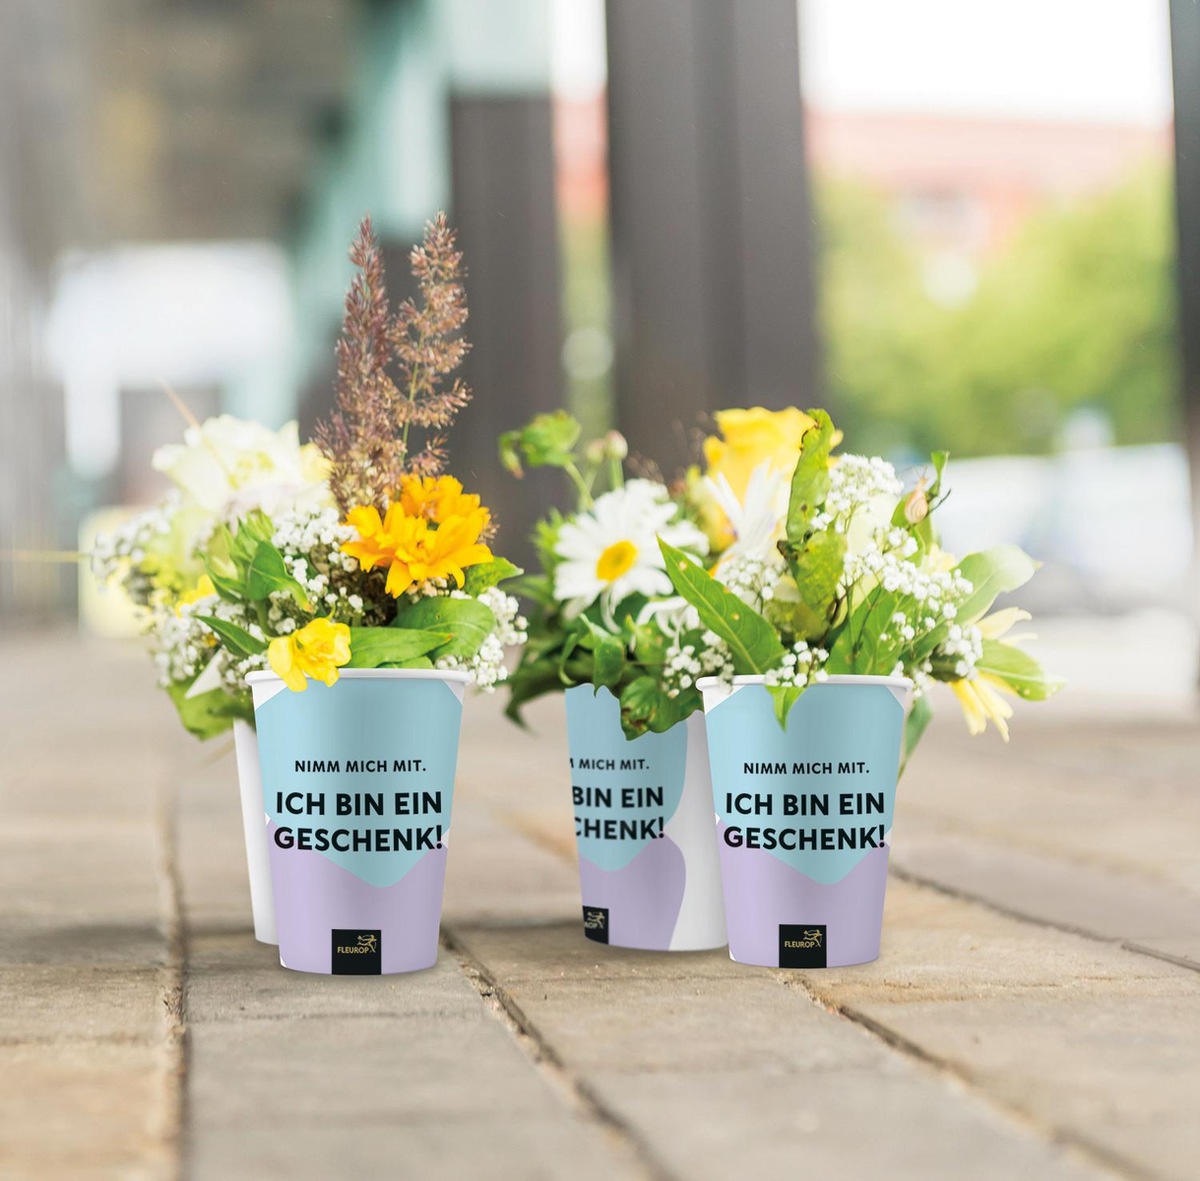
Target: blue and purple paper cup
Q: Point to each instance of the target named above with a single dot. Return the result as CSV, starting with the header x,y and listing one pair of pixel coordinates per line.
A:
x,y
804,816
645,830
357,786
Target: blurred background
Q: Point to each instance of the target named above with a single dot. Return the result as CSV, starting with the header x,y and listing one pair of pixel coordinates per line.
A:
x,y
958,226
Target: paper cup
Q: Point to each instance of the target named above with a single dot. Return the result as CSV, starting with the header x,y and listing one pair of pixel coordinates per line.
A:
x,y
254,829
358,782
803,816
645,830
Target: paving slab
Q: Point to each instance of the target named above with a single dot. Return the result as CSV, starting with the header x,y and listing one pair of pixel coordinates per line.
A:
x,y
89,1033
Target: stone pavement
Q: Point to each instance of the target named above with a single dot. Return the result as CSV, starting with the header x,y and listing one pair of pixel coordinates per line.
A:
x,y
1035,1012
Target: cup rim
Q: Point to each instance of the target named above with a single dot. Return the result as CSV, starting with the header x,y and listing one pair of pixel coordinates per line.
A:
x,y
834,679
263,677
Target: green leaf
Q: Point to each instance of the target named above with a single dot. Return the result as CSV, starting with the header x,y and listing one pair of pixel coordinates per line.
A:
x,y
608,656
918,719
236,639
816,566
489,574
753,641
230,589
646,706
992,572
860,647
206,714
465,622
785,696
392,647
1018,670
267,573
509,447
547,440
939,460
810,480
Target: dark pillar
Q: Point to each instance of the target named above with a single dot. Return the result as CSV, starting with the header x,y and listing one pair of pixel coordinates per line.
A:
x,y
1185,52
713,235
503,181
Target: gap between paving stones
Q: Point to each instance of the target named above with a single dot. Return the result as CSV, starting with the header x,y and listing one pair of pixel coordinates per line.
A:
x,y
1095,1154
174,974
573,1091
961,895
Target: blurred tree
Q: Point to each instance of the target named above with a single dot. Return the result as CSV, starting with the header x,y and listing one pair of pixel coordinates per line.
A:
x,y
1078,311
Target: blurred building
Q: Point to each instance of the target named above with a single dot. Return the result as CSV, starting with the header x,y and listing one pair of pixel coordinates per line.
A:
x,y
968,182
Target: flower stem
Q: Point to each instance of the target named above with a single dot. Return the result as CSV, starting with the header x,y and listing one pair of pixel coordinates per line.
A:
x,y
585,493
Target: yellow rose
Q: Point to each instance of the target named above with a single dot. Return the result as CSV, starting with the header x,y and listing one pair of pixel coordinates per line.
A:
x,y
752,436
316,651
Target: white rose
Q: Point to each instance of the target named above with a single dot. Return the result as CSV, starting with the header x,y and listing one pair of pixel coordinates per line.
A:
x,y
230,466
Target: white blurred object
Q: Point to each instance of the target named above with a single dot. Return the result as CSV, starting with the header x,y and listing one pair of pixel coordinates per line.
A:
x,y
1112,524
189,315
105,610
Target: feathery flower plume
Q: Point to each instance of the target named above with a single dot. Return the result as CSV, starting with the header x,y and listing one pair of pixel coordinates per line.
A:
x,y
366,438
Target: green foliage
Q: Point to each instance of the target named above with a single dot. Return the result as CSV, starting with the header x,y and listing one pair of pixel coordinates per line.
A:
x,y
486,575
915,726
239,641
245,565
208,714
463,623
393,647
753,641
1018,670
992,573
810,480
547,440
1078,310
267,574
608,655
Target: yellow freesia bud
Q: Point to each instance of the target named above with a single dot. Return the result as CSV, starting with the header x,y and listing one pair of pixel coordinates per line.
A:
x,y
202,590
316,650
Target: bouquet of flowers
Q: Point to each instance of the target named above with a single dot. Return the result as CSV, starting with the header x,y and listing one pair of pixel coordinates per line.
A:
x,y
780,559
351,551
835,569
603,602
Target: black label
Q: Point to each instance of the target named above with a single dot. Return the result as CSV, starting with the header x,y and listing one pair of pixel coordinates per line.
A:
x,y
357,953
801,946
595,923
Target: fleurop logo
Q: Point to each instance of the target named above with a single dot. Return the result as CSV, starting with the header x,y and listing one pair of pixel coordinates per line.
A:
x,y
595,923
802,946
356,953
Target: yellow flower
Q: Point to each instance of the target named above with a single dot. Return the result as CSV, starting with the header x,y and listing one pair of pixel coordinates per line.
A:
x,y
316,651
1000,623
438,498
981,703
415,548
202,590
752,436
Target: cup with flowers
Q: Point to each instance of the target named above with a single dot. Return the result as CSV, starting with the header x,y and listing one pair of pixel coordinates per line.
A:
x,y
336,598
830,611
605,632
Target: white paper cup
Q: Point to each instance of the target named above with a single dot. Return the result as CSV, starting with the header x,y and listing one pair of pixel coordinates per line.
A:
x,y
804,815
358,783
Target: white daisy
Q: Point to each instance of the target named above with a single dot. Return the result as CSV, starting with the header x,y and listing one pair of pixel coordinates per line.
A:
x,y
755,520
611,551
